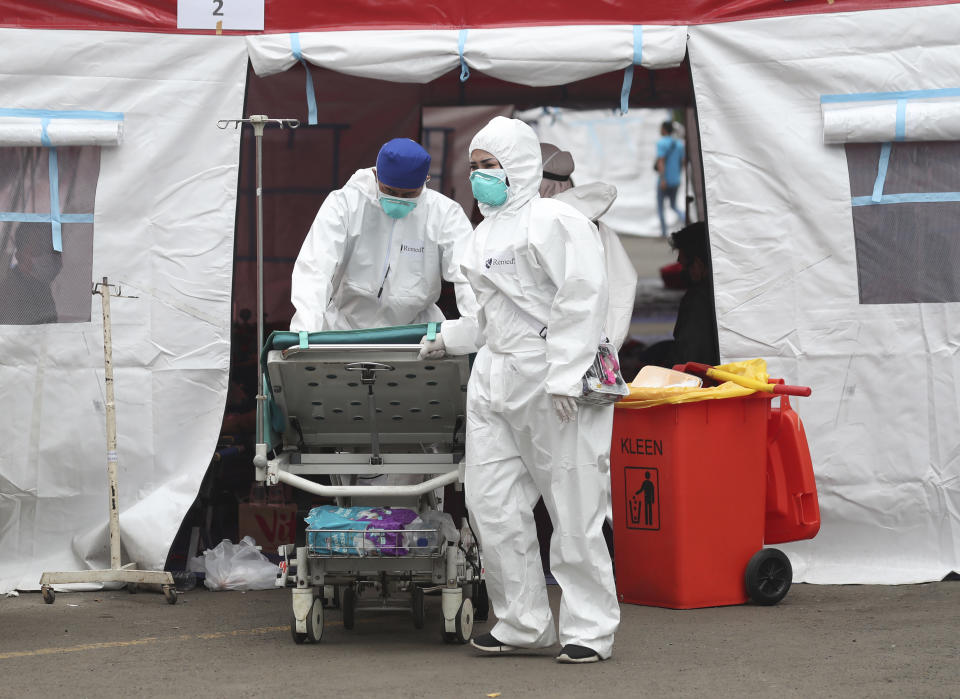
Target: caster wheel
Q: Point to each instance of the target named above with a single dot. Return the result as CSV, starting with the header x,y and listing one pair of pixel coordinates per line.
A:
x,y
418,614
463,625
768,576
298,637
348,604
481,603
48,594
315,621
170,593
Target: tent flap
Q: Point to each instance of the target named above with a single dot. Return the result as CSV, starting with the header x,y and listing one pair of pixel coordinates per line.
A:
x,y
33,132
892,120
534,56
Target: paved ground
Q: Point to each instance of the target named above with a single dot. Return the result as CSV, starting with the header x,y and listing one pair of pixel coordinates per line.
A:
x,y
821,641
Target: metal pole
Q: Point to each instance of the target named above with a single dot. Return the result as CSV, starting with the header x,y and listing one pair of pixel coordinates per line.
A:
x,y
111,411
258,135
259,121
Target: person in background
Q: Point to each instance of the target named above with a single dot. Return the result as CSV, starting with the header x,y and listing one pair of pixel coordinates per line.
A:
x,y
537,268
379,248
557,168
669,166
695,331
25,296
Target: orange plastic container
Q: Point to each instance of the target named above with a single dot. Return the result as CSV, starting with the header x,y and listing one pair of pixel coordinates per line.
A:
x,y
688,487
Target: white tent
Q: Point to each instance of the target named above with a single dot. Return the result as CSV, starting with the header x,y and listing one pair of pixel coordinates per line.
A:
x,y
790,276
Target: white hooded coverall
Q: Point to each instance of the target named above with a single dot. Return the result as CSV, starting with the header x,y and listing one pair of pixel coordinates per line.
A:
x,y
359,268
545,257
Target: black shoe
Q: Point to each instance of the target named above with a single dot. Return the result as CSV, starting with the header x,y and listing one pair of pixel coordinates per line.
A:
x,y
578,654
488,644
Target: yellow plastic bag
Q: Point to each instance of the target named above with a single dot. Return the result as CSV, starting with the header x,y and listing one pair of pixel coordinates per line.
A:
x,y
649,397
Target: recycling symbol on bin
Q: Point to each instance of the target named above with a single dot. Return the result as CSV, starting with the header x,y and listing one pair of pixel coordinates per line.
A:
x,y
642,493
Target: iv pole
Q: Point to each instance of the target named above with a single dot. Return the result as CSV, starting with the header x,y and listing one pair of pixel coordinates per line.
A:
x,y
259,121
117,572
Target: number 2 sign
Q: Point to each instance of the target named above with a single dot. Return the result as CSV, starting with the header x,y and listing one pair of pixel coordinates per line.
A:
x,y
229,14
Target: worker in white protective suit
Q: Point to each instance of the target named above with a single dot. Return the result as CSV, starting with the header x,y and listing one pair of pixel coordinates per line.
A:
x,y
537,269
593,201
379,248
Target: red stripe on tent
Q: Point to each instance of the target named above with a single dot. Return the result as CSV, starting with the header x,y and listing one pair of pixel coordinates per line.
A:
x,y
308,15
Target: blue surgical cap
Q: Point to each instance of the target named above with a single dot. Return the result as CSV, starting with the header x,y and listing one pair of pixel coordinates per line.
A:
x,y
403,163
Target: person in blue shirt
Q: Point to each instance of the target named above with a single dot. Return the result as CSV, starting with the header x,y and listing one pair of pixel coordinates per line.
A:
x,y
670,154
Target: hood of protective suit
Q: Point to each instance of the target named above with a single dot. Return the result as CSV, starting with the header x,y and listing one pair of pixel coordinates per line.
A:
x,y
516,146
364,181
592,200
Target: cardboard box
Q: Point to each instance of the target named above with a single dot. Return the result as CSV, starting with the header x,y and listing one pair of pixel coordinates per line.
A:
x,y
269,525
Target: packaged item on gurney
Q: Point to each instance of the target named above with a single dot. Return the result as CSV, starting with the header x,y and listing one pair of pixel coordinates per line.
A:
x,y
358,531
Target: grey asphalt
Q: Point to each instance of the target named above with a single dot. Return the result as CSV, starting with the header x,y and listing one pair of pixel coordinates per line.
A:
x,y
821,641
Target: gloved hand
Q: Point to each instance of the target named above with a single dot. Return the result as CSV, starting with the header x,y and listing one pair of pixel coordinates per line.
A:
x,y
432,349
566,407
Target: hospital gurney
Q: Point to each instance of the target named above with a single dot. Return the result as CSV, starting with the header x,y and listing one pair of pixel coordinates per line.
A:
x,y
354,405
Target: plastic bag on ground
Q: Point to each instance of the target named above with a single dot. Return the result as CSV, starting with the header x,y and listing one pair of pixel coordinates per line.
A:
x,y
230,566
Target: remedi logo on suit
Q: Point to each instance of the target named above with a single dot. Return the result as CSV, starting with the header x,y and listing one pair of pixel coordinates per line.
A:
x,y
499,263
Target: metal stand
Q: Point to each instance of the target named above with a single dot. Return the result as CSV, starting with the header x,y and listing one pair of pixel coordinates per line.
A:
x,y
117,573
259,121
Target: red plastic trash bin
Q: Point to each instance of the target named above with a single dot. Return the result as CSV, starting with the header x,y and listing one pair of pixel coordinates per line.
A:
x,y
688,487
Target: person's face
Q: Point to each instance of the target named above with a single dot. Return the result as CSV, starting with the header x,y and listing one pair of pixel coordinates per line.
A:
x,y
399,192
482,160
694,267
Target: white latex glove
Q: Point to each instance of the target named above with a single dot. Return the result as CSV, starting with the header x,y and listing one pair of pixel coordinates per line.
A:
x,y
566,407
432,349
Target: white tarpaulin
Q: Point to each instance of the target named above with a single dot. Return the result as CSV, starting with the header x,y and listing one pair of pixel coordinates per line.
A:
x,y
788,265
535,56
163,229
16,131
916,118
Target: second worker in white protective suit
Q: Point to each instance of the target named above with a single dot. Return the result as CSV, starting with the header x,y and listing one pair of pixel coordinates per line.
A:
x,y
537,269
379,248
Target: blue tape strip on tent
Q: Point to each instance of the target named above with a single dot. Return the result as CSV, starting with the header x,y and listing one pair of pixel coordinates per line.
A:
x,y
55,200
909,198
881,171
50,114
45,218
461,43
901,120
311,96
55,218
880,96
628,72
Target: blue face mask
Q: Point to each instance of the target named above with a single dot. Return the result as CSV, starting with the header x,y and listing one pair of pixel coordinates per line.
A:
x,y
397,207
489,186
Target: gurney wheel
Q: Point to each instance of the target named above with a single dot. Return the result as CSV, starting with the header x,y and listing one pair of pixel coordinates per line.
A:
x,y
348,604
463,624
418,615
298,638
170,592
768,576
47,593
481,603
315,621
